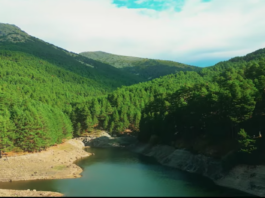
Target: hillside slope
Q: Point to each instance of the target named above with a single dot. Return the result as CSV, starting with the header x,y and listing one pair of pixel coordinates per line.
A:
x,y
14,39
38,84
215,111
143,67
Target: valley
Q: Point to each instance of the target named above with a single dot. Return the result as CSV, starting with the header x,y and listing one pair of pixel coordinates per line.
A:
x,y
49,95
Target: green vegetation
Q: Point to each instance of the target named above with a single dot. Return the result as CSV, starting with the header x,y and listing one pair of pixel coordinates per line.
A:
x,y
31,125
48,94
143,67
60,167
211,105
246,142
106,76
12,33
41,87
38,83
117,61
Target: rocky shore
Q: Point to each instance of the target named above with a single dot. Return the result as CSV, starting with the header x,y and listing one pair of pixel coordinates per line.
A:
x,y
249,179
56,162
104,140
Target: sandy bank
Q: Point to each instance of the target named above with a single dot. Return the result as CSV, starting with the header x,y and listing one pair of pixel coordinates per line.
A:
x,y
54,163
28,193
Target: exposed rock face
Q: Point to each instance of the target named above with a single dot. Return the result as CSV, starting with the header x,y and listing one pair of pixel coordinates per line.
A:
x,y
78,144
249,179
106,141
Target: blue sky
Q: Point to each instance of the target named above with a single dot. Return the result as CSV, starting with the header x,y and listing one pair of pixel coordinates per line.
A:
x,y
195,32
157,5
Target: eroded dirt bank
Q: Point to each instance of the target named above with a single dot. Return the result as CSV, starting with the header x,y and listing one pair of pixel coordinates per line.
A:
x,y
54,163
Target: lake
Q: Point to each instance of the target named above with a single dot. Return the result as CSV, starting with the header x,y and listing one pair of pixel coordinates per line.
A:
x,y
118,172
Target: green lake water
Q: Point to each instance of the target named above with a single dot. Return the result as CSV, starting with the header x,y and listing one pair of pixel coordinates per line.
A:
x,y
118,172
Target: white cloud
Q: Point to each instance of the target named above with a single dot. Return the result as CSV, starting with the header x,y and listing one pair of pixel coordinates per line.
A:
x,y
215,30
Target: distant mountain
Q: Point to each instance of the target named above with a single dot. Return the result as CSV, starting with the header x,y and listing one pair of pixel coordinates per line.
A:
x,y
256,55
117,61
109,78
143,67
12,33
234,63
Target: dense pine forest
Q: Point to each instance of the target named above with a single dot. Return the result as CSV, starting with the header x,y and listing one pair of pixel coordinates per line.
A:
x,y
38,83
221,107
48,94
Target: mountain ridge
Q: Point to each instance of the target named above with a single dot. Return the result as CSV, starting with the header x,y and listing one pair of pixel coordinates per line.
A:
x,y
143,67
14,39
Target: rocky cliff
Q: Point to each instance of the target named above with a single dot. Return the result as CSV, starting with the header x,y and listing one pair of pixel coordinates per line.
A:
x,y
249,179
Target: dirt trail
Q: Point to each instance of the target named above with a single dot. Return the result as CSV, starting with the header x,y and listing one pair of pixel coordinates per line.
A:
x,y
54,163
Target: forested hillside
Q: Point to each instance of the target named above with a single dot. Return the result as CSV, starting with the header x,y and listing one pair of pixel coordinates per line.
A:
x,y
40,86
142,67
48,94
221,106
38,83
14,39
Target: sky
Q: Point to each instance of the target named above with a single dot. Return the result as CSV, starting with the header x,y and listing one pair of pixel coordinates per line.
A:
x,y
195,32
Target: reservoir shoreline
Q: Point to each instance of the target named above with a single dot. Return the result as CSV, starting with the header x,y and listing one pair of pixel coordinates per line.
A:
x,y
57,162
248,179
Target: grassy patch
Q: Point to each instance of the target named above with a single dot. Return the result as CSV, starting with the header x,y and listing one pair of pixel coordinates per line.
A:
x,y
60,167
